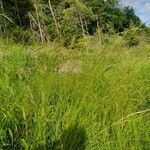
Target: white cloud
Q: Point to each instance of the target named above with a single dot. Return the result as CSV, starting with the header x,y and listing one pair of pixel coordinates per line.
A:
x,y
147,6
141,7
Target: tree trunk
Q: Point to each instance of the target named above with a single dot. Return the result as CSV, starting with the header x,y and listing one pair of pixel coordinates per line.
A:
x,y
53,15
98,30
39,25
2,29
17,12
82,25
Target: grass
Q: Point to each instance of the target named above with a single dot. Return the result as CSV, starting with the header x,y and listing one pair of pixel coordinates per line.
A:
x,y
106,107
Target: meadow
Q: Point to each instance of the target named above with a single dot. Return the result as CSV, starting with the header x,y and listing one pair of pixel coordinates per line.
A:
x,y
106,106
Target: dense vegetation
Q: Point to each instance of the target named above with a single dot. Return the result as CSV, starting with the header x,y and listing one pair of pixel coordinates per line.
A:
x,y
104,107
74,75
63,20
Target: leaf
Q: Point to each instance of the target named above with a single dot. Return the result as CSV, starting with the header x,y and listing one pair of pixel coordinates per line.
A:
x,y
5,16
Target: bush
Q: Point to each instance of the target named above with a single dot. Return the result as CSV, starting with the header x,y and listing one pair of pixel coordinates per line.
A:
x,y
19,35
132,36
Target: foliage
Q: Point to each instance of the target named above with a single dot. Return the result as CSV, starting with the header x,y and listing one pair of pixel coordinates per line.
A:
x,y
99,99
105,107
132,36
65,20
135,36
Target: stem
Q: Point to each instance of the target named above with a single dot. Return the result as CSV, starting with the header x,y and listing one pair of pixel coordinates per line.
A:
x,y
2,11
53,15
39,24
17,11
81,22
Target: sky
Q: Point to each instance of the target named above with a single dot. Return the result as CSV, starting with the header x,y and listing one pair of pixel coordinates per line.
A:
x,y
141,7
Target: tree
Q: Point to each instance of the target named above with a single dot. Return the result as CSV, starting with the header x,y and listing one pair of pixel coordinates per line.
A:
x,y
130,17
65,19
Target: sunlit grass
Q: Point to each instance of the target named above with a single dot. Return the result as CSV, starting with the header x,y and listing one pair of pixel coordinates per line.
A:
x,y
105,107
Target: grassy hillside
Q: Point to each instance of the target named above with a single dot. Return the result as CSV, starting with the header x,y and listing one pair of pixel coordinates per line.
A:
x,y
104,106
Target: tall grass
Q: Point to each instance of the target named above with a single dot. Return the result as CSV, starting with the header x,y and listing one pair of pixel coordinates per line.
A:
x,y
106,107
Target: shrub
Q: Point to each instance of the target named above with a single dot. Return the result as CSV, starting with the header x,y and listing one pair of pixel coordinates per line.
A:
x,y
131,36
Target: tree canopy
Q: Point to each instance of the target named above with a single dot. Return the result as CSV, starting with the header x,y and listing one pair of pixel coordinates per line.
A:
x,y
64,19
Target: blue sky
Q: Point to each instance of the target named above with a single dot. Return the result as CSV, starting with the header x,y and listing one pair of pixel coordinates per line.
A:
x,y
141,7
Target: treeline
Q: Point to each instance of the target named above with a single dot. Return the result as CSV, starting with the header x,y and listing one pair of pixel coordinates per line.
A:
x,y
48,20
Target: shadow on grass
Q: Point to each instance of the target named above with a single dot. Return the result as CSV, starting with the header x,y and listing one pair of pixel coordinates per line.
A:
x,y
73,138
14,132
